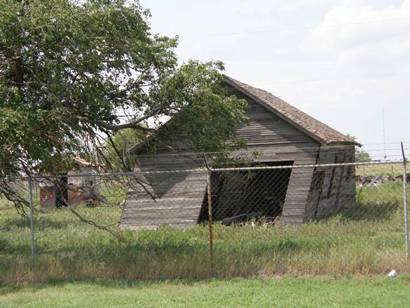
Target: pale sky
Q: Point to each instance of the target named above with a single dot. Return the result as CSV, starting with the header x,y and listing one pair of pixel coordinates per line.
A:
x,y
344,62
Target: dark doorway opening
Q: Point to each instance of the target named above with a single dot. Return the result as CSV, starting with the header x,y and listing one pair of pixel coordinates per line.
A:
x,y
241,195
62,191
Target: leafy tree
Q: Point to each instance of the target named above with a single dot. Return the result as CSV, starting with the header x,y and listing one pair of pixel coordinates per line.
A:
x,y
117,151
69,68
360,154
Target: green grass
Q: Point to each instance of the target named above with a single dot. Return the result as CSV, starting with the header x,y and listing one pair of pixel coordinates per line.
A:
x,y
364,240
276,292
391,169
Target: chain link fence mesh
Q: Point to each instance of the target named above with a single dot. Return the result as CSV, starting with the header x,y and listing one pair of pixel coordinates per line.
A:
x,y
266,220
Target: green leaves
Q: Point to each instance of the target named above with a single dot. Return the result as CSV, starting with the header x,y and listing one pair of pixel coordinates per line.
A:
x,y
69,68
203,116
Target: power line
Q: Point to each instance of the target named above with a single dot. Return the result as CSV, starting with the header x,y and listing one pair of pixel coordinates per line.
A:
x,y
281,29
391,142
275,83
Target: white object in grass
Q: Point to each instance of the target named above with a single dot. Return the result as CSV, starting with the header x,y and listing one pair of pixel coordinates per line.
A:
x,y
392,274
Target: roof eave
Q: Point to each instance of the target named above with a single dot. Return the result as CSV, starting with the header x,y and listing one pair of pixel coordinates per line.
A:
x,y
335,143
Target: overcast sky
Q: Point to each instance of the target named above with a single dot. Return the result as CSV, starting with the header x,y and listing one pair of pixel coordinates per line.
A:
x,y
344,62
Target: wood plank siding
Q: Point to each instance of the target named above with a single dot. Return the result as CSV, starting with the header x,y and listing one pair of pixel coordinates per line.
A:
x,y
178,198
173,198
277,140
333,188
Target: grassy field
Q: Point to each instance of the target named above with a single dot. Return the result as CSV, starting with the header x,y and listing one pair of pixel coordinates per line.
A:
x,y
393,169
364,240
272,292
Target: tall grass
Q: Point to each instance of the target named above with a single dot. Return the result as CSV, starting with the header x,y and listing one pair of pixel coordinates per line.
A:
x,y
366,239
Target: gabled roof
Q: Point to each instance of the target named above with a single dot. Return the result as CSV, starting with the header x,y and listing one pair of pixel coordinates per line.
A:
x,y
317,130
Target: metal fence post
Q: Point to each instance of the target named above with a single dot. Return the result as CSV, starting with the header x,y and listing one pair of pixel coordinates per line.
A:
x,y
405,205
211,245
32,239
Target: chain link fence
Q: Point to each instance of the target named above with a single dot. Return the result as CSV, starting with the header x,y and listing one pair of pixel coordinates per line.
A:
x,y
242,220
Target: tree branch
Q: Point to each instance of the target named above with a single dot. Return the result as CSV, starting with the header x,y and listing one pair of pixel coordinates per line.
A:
x,y
92,223
136,122
133,124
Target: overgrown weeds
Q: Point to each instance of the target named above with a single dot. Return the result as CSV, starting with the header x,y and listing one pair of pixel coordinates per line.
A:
x,y
366,239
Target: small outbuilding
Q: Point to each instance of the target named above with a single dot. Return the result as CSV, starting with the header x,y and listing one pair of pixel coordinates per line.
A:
x,y
282,135
77,186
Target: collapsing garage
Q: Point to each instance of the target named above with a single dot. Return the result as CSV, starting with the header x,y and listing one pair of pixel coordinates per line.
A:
x,y
282,135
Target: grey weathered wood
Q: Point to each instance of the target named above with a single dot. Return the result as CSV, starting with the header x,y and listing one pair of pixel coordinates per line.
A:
x,y
179,197
337,188
312,193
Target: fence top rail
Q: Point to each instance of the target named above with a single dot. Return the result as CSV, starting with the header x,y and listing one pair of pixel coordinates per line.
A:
x,y
309,166
203,169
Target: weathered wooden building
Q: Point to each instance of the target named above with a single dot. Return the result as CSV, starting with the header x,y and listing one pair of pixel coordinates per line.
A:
x,y
77,186
281,134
